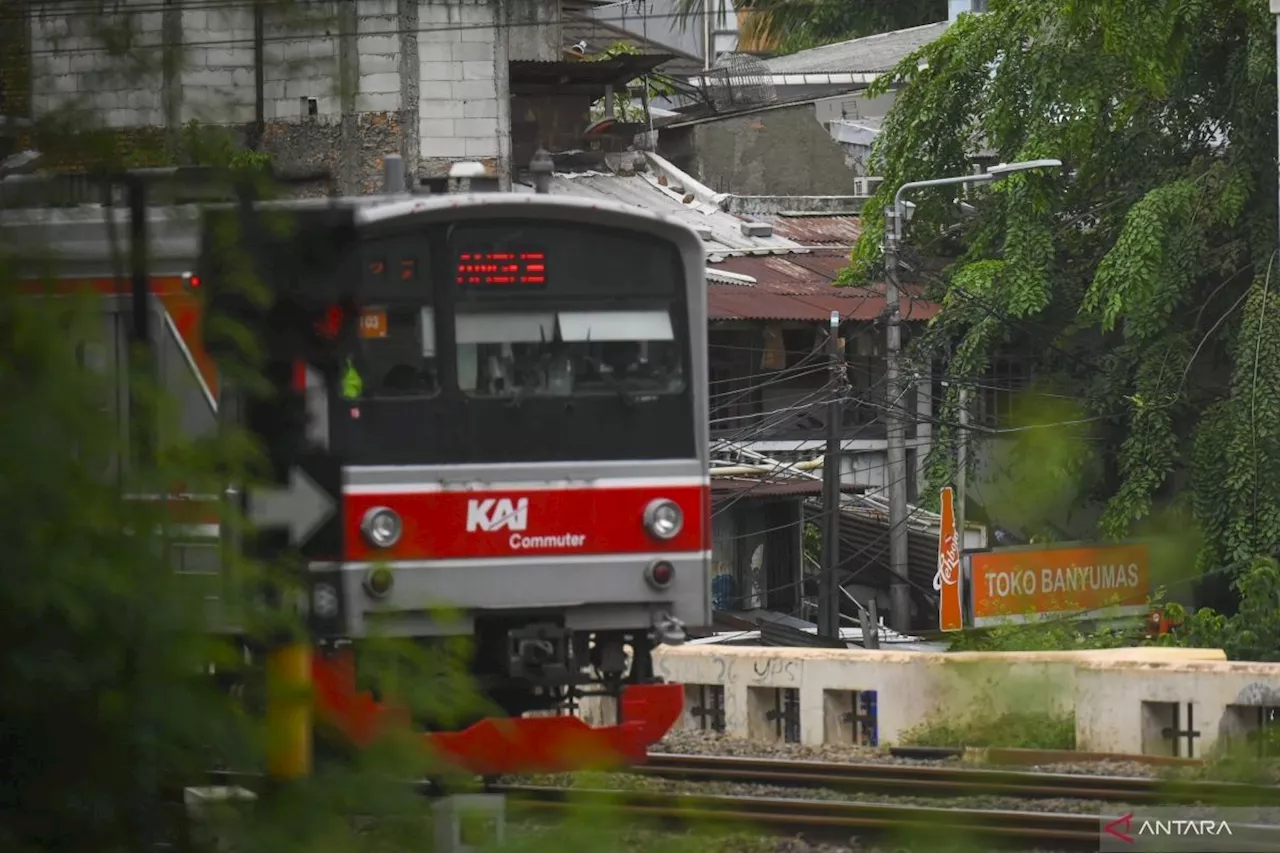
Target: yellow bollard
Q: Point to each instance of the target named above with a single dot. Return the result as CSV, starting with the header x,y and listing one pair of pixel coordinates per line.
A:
x,y
289,711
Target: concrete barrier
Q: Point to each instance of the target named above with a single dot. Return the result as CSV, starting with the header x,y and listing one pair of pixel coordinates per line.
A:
x,y
855,696
1182,708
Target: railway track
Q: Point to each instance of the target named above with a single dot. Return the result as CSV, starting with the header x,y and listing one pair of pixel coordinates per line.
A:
x,y
915,823
820,820
934,781
826,819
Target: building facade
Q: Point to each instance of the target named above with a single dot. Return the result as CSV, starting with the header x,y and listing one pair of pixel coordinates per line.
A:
x,y
325,87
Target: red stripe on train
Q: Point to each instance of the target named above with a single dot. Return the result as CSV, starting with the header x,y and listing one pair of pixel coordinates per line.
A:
x,y
512,523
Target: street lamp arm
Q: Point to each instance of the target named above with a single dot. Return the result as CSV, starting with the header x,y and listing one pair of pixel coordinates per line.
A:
x,y
938,182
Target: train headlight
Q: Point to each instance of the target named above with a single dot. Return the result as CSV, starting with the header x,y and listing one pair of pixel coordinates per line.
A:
x,y
663,518
382,527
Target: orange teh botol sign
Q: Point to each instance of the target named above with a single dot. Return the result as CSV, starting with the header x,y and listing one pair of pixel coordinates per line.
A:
x,y
1021,582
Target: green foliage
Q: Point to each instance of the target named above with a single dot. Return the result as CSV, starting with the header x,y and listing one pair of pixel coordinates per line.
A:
x,y
624,106
1012,730
786,26
1044,468
813,543
1138,278
209,145
1251,633
1048,636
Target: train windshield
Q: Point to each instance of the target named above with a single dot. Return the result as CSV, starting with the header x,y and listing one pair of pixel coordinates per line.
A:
x,y
395,356
514,354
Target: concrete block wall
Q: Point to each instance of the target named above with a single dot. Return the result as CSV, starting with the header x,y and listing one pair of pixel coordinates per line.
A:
x,y
344,82
300,63
1128,706
463,102
910,688
216,81
72,68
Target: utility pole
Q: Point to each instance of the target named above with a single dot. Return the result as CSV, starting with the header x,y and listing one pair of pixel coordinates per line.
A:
x,y
962,464
1275,10
142,358
829,607
896,472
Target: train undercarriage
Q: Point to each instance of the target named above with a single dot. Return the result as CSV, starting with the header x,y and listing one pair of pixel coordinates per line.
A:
x,y
523,706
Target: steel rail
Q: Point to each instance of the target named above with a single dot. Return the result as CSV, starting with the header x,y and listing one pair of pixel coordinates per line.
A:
x,y
817,818
935,781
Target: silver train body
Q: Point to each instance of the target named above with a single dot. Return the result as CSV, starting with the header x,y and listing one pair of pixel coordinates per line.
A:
x,y
560,515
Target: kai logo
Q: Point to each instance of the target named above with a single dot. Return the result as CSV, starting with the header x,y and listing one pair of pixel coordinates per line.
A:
x,y
493,514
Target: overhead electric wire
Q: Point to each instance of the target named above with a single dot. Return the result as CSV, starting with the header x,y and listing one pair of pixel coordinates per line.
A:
x,y
247,6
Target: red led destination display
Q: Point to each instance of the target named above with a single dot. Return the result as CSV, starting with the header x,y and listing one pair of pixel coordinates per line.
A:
x,y
518,270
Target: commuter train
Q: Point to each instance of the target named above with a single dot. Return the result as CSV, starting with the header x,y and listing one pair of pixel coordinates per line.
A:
x,y
495,403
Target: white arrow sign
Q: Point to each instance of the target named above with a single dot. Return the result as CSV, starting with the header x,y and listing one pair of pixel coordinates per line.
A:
x,y
302,507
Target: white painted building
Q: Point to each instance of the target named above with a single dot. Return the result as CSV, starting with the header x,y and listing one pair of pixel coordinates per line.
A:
x,y
328,85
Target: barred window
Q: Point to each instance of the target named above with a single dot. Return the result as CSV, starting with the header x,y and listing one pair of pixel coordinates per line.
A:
x,y
998,390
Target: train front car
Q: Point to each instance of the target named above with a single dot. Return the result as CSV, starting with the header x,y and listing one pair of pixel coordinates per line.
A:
x,y
520,421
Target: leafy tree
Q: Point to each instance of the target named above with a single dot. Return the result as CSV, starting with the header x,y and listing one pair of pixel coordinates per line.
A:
x,y
786,26
1141,278
1252,633
655,86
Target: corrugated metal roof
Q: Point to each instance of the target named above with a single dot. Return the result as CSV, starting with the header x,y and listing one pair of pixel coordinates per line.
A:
x,y
727,239
838,230
600,35
733,302
799,287
530,75
864,559
880,52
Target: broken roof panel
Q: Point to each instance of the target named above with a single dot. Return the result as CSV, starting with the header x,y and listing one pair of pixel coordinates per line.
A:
x,y
727,237
876,53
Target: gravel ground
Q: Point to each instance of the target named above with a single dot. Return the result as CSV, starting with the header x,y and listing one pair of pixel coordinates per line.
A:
x,y
631,782
711,743
536,835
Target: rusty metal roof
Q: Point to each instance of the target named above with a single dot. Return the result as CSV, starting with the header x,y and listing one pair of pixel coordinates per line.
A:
x,y
799,287
816,230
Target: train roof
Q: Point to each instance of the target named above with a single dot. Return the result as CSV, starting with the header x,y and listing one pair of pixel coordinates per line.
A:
x,y
79,236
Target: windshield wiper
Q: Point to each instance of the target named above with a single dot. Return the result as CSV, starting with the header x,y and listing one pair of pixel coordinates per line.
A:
x,y
516,398
628,399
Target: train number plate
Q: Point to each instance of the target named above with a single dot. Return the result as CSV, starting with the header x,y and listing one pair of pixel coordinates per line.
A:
x,y
373,323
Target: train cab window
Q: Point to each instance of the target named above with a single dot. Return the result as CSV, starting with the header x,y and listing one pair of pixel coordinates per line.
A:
x,y
568,353
395,354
